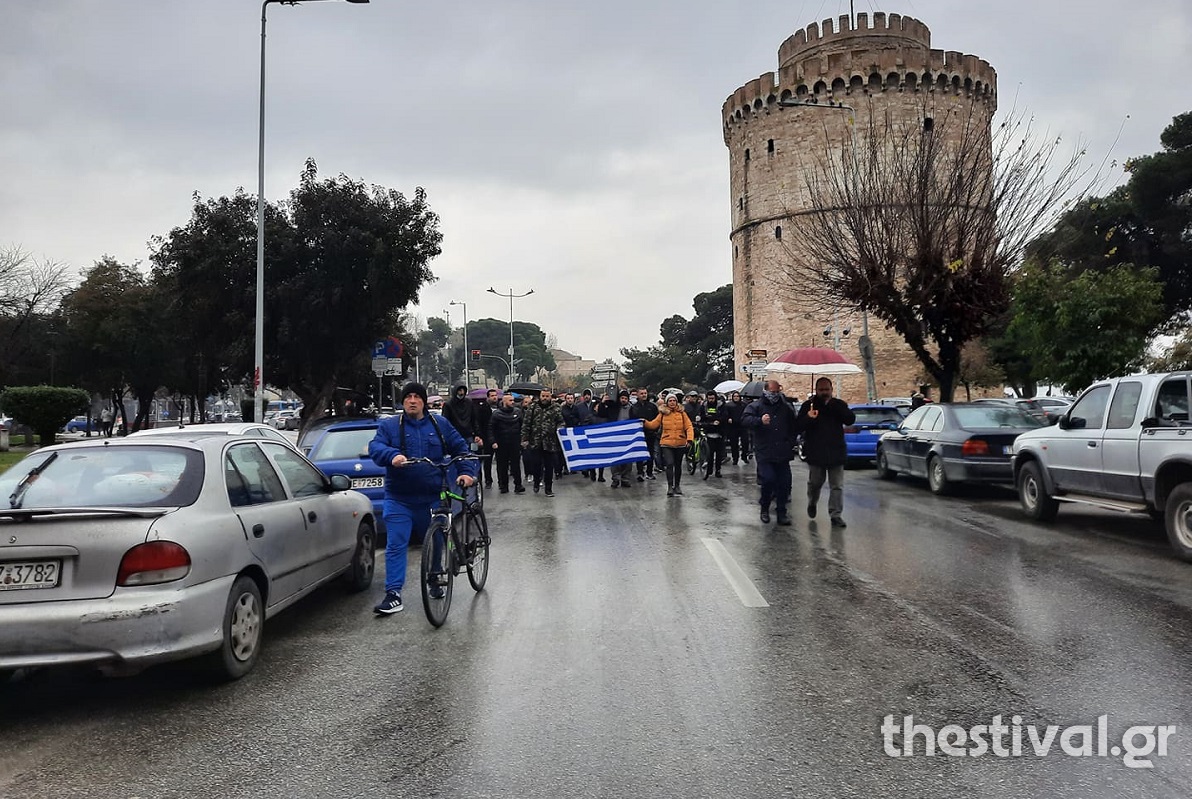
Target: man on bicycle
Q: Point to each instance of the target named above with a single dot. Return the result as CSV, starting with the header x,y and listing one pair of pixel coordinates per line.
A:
x,y
411,491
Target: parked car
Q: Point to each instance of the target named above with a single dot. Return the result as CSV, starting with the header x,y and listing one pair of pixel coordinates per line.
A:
x,y
861,437
1025,405
341,447
79,424
1054,407
287,420
1123,445
129,552
950,443
194,431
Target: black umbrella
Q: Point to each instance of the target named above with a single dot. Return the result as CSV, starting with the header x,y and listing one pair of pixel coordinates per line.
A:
x,y
753,389
526,387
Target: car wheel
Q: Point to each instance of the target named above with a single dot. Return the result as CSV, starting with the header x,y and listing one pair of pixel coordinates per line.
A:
x,y
937,481
883,466
243,628
1033,496
364,560
1179,520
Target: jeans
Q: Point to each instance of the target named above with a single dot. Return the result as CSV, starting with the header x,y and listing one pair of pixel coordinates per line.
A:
x,y
815,483
402,519
774,477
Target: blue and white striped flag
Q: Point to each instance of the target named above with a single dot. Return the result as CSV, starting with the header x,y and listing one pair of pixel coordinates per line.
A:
x,y
597,446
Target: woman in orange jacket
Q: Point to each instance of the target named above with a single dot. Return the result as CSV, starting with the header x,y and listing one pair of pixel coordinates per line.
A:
x,y
677,430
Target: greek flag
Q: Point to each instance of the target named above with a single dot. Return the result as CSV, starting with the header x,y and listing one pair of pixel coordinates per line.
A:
x,y
596,446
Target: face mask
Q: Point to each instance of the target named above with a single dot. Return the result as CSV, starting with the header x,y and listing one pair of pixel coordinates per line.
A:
x,y
771,396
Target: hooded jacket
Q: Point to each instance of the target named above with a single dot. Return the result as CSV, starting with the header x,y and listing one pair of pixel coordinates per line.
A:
x,y
462,414
675,428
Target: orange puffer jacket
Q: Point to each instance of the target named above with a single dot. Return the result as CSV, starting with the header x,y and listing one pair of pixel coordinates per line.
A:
x,y
676,427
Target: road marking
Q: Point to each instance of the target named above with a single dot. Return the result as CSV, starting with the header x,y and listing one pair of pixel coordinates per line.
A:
x,y
747,592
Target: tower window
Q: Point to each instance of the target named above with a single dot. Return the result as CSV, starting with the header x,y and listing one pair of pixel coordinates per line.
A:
x,y
740,203
746,153
770,146
736,252
778,232
928,124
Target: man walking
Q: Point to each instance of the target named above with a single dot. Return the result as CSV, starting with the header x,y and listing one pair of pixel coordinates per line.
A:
x,y
822,420
505,432
646,411
540,439
411,490
484,415
772,420
714,424
461,412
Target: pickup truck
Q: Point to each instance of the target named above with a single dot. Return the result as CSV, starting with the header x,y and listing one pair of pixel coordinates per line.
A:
x,y
1125,444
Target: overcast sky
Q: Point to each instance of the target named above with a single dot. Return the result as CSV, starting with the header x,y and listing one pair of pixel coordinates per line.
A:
x,y
570,148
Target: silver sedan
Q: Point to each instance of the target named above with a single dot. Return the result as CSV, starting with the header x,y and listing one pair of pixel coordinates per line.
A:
x,y
124,553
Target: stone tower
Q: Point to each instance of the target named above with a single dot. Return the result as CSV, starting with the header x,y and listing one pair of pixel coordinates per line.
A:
x,y
887,69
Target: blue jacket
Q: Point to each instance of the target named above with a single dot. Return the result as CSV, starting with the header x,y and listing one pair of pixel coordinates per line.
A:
x,y
418,482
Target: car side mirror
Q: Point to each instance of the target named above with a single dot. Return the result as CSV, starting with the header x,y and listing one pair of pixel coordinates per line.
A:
x,y
1062,422
340,482
1151,421
1076,423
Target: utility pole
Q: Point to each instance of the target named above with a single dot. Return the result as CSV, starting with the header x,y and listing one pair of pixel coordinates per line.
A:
x,y
511,296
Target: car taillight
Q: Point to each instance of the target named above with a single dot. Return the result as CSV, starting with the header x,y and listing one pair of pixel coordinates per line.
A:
x,y
851,429
974,446
152,563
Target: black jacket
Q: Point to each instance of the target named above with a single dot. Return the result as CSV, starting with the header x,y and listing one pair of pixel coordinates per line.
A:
x,y
462,415
570,414
484,415
775,441
714,420
823,436
645,410
505,427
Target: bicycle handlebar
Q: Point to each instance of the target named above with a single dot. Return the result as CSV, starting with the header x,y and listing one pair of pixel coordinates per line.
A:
x,y
445,464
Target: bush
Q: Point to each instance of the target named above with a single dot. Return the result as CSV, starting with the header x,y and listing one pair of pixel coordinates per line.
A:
x,y
44,408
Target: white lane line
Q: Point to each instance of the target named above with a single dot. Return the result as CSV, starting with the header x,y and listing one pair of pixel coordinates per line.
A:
x,y
747,592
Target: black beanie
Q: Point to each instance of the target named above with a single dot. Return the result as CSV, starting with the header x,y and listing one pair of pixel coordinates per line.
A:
x,y
414,388
624,393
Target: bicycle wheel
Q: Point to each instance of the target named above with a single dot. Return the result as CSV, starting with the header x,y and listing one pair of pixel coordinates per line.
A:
x,y
476,543
437,573
693,458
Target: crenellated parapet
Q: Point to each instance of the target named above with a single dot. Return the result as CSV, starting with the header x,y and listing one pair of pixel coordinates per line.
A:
x,y
829,63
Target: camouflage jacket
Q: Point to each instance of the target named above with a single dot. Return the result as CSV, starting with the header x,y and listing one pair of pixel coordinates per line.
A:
x,y
539,426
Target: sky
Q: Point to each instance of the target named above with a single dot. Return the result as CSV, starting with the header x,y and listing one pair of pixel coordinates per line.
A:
x,y
573,149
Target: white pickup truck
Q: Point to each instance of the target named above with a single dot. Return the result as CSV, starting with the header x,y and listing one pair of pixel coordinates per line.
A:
x,y
1125,445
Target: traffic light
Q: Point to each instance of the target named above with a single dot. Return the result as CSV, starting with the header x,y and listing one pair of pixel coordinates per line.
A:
x,y
475,356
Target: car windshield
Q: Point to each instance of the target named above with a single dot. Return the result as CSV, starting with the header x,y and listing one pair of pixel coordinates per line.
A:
x,y
877,415
90,477
343,444
976,417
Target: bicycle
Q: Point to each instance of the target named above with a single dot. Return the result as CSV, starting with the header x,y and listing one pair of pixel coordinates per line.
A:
x,y
452,543
695,455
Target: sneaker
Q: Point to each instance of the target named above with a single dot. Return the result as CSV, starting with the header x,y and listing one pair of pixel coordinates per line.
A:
x,y
784,519
670,492
599,479
615,484
718,474
651,477
765,515
488,484
436,592
811,511
678,493
390,604
504,490
550,493
536,489
641,478
838,522
519,490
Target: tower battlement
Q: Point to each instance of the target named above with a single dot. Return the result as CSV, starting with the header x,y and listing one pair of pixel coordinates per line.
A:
x,y
829,63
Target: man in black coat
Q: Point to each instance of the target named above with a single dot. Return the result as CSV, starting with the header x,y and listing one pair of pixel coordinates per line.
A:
x,y
645,410
484,414
461,412
822,420
504,431
772,421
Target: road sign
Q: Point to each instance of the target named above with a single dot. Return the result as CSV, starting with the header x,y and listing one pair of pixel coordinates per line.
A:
x,y
380,365
388,347
393,366
754,369
757,354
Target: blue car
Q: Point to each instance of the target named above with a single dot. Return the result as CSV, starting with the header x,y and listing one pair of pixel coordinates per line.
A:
x,y
342,448
79,425
862,436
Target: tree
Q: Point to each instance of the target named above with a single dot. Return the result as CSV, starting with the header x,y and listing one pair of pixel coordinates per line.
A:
x,y
44,408
921,225
1176,357
30,291
695,352
1097,326
491,337
1148,221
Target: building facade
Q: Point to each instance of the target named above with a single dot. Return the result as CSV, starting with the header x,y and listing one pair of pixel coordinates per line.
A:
x,y
779,130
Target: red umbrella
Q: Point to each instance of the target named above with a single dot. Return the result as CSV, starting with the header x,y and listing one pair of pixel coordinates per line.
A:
x,y
812,361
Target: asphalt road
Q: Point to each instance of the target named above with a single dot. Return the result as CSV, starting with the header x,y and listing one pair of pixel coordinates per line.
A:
x,y
629,644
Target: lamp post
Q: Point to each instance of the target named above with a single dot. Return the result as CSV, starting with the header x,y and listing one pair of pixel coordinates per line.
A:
x,y
467,352
511,296
259,336
864,344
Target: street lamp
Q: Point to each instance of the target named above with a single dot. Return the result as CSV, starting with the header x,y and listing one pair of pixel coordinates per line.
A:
x,y
864,344
467,352
510,295
259,338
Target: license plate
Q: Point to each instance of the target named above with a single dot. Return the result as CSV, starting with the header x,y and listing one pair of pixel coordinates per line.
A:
x,y
1007,450
368,482
30,574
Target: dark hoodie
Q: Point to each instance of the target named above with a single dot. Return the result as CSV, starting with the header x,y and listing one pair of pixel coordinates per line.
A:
x,y
462,414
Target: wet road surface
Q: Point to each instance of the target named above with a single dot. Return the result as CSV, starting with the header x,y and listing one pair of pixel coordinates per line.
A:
x,y
629,644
